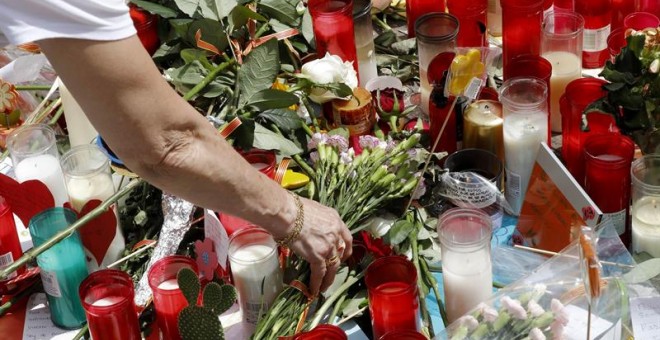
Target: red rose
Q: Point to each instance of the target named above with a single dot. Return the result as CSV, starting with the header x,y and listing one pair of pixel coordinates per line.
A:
x,y
388,102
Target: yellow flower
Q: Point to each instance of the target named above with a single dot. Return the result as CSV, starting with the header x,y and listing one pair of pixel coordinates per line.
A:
x,y
8,96
277,85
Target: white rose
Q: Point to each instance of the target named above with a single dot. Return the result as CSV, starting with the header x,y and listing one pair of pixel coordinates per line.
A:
x,y
327,70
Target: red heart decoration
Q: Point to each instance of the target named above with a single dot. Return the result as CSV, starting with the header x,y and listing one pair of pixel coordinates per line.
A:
x,y
26,199
97,234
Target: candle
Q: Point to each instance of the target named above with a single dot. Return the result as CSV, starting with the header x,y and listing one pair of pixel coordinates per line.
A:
x,y
440,104
45,168
332,23
325,332
79,128
566,67
169,284
466,264
254,265
597,18
521,29
10,246
107,301
494,18
416,8
482,127
472,16
646,226
364,41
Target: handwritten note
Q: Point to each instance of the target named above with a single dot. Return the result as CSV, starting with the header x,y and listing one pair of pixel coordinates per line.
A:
x,y
214,230
600,328
645,314
37,322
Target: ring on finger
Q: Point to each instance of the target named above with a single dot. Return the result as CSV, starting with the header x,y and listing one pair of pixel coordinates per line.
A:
x,y
331,262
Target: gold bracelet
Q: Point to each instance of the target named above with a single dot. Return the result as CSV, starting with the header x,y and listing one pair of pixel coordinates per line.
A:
x,y
297,225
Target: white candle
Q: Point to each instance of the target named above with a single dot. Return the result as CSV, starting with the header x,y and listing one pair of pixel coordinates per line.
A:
x,y
45,168
80,129
424,89
523,134
366,55
566,67
170,284
646,226
255,266
107,301
259,166
467,281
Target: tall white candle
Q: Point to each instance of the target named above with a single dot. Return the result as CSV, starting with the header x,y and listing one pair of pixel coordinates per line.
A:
x,y
566,67
255,266
523,134
107,301
646,225
45,168
468,284
80,129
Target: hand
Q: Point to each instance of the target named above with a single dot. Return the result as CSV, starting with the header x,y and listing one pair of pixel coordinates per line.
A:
x,y
323,236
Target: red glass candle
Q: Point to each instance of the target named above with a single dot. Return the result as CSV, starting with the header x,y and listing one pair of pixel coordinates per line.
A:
x,y
608,159
615,42
471,15
532,66
403,335
597,17
620,9
323,332
146,25
651,6
521,28
10,246
640,20
417,8
579,94
439,105
168,298
107,297
564,5
333,28
393,295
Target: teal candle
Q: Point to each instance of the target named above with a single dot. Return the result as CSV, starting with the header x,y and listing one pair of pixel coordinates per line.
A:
x,y
62,266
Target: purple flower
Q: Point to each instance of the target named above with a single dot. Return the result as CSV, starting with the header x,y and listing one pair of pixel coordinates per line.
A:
x,y
420,190
339,142
317,138
389,146
557,329
368,142
346,157
469,321
514,308
534,308
536,334
314,156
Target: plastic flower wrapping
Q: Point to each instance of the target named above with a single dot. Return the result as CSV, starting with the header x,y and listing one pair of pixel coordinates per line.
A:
x,y
552,301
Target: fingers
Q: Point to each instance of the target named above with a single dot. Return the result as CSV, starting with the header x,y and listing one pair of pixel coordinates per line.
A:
x,y
331,271
347,239
318,273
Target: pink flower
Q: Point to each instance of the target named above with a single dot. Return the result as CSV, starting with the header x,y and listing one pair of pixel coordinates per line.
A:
x,y
369,142
207,260
536,334
557,329
338,142
560,313
489,313
534,308
514,308
317,138
469,322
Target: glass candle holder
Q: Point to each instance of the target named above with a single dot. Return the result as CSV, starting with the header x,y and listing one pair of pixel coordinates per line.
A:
x,y
436,33
607,181
620,9
650,6
393,295
62,266
79,128
107,297
645,173
494,18
562,47
87,177
640,20
254,265
521,29
597,17
524,103
466,264
146,25
34,156
440,105
364,41
333,29
580,93
263,161
482,127
403,335
10,245
167,297
417,8
615,42
471,15
323,332
564,5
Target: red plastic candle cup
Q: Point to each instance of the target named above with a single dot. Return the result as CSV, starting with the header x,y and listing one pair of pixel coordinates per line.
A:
x,y
597,17
579,94
651,6
471,15
615,42
417,8
146,25
521,29
620,9
10,245
323,332
168,298
333,28
439,105
532,66
403,335
640,20
564,5
608,160
107,297
393,296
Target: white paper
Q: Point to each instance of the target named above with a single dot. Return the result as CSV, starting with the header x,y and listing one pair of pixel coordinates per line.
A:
x,y
214,230
600,328
645,315
37,322
23,69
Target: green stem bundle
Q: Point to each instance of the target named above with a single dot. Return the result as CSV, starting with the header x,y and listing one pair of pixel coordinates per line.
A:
x,y
208,79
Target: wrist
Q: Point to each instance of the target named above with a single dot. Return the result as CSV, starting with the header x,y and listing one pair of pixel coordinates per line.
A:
x,y
286,217
294,231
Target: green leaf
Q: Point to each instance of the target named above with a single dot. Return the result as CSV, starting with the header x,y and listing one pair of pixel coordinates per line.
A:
x,y
216,9
354,304
400,231
154,8
189,285
272,99
186,77
188,7
339,89
191,54
643,271
340,278
277,25
269,140
212,32
385,39
166,51
259,69
181,27
240,15
244,134
307,29
285,119
282,10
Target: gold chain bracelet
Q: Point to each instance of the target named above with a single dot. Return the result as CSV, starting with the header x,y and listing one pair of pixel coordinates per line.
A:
x,y
297,225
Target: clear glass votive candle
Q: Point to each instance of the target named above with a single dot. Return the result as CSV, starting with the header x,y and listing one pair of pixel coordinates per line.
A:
x,y
107,297
616,41
364,41
466,263
645,173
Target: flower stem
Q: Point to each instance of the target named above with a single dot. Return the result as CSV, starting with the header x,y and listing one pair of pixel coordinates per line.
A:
x,y
336,309
434,285
56,116
32,87
420,284
304,166
352,279
208,79
34,252
81,334
36,285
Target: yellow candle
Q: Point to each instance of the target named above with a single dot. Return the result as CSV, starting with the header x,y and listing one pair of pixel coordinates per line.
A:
x,y
566,67
646,226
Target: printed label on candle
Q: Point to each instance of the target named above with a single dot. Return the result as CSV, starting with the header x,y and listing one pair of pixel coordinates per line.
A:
x,y
595,40
619,220
512,184
252,310
51,286
6,260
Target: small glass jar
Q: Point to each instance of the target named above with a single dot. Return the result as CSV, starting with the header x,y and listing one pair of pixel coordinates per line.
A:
x,y
364,41
521,28
263,161
34,156
436,33
62,266
333,29
645,173
107,297
471,15
466,264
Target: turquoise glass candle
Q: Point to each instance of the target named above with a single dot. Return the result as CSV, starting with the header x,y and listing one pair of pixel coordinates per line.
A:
x,y
62,266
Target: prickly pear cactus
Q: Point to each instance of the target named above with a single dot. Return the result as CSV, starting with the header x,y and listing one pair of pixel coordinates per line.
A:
x,y
203,322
